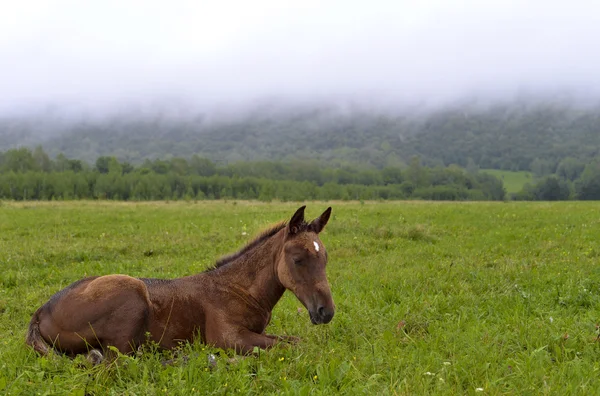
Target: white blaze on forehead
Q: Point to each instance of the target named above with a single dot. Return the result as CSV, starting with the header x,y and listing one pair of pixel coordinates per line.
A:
x,y
316,246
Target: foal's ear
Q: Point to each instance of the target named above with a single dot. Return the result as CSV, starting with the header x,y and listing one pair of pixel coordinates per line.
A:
x,y
297,220
319,223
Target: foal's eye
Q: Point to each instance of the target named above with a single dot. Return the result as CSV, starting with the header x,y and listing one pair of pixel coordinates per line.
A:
x,y
298,261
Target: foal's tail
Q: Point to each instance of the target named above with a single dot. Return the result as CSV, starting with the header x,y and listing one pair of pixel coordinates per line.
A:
x,y
34,338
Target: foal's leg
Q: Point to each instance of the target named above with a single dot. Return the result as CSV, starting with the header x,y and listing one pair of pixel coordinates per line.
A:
x,y
245,341
111,310
248,340
128,320
95,357
129,324
284,338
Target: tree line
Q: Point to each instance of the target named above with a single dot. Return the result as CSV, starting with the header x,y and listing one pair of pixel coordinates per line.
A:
x,y
32,175
570,179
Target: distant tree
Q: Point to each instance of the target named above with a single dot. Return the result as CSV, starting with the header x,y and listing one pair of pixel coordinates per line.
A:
x,y
161,167
127,167
75,165
588,185
344,176
369,178
392,176
179,166
416,173
542,167
551,188
306,171
491,187
61,163
570,168
267,191
407,188
102,164
114,166
471,166
19,160
41,159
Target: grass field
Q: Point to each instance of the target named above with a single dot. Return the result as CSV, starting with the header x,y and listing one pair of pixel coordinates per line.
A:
x,y
432,298
513,181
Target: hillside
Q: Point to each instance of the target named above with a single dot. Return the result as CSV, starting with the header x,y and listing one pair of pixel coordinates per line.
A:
x,y
508,136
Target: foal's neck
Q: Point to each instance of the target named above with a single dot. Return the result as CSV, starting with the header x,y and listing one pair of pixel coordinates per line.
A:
x,y
255,272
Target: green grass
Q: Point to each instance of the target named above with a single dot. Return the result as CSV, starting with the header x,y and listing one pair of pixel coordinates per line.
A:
x,y
513,181
432,298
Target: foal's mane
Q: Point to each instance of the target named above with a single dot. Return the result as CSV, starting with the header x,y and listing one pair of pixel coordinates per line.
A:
x,y
263,236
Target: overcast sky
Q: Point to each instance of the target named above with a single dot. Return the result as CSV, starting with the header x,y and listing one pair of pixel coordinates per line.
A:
x,y
105,52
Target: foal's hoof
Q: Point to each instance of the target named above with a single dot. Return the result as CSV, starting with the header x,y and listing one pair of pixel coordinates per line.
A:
x,y
95,357
290,339
212,361
172,362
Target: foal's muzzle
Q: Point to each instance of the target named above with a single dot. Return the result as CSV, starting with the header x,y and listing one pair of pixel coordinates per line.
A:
x,y
321,315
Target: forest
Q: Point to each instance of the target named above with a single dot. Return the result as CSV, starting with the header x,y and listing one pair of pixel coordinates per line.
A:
x,y
526,134
33,175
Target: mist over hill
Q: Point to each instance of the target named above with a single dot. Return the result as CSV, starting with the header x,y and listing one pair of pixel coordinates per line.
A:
x,y
493,84
502,134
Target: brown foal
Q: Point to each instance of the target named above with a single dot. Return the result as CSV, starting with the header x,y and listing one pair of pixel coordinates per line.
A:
x,y
228,306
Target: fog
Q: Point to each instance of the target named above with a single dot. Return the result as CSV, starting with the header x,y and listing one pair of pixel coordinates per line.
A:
x,y
98,56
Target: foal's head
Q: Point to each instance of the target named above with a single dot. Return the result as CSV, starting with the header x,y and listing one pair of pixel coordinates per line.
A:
x,y
301,267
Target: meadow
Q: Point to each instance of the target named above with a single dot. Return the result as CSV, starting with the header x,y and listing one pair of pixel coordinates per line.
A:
x,y
432,297
513,180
